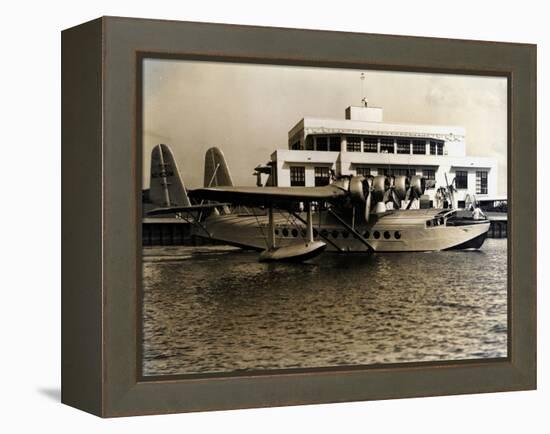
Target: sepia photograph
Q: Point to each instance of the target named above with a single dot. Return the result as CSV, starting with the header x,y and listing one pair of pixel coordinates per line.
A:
x,y
298,217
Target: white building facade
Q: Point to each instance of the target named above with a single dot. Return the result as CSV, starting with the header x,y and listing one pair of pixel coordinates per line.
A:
x,y
363,144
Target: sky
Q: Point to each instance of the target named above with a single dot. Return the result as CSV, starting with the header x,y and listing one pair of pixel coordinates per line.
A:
x,y
247,110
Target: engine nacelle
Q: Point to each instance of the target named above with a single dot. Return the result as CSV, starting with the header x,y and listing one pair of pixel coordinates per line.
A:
x,y
358,189
418,185
400,186
380,185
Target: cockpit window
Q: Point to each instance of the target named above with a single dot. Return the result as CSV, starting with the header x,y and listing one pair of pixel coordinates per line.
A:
x,y
437,221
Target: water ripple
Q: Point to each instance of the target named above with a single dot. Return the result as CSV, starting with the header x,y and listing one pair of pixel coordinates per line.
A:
x,y
218,309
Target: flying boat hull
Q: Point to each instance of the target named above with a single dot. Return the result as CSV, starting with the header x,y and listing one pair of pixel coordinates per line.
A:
x,y
398,231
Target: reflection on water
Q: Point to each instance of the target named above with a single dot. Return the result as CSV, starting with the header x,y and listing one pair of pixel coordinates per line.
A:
x,y
219,310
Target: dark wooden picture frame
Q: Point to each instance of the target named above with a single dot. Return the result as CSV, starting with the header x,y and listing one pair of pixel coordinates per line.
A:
x,y
101,218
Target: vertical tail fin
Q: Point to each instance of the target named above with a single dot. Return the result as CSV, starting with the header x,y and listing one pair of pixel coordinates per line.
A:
x,y
216,172
167,188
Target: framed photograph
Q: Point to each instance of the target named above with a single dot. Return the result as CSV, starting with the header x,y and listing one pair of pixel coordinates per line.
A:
x,y
262,217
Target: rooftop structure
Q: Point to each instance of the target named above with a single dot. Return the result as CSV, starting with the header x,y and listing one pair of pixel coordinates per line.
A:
x,y
363,144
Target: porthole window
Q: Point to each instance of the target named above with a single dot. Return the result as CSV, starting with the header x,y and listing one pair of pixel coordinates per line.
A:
x,y
334,234
294,233
397,235
387,235
345,234
376,234
429,223
285,232
366,234
276,231
324,233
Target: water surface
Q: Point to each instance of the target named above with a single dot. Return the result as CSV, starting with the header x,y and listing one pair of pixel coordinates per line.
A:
x,y
217,309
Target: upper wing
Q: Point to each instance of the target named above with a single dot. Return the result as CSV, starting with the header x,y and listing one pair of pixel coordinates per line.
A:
x,y
269,195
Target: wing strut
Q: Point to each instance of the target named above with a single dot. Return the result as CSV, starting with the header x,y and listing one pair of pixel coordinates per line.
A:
x,y
270,229
309,223
352,230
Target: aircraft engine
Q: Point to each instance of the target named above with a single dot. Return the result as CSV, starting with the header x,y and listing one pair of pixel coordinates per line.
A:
x,y
418,185
360,190
400,186
356,189
374,192
380,184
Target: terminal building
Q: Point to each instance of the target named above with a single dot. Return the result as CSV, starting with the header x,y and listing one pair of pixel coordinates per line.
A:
x,y
363,144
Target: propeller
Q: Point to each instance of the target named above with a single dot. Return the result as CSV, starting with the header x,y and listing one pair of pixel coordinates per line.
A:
x,y
397,191
416,189
367,190
375,190
359,188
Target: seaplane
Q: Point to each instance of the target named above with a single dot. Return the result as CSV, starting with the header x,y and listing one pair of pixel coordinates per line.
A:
x,y
352,214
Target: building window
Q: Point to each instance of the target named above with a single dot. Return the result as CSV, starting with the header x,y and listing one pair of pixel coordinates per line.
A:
x,y
481,182
419,147
461,179
370,144
387,145
353,144
322,143
403,146
404,172
296,146
309,143
436,147
322,176
335,143
397,171
297,176
428,174
363,171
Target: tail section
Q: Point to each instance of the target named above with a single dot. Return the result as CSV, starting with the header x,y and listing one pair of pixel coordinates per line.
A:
x,y
167,188
216,172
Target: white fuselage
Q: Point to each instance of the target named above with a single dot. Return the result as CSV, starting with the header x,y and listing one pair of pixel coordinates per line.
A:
x,y
395,231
